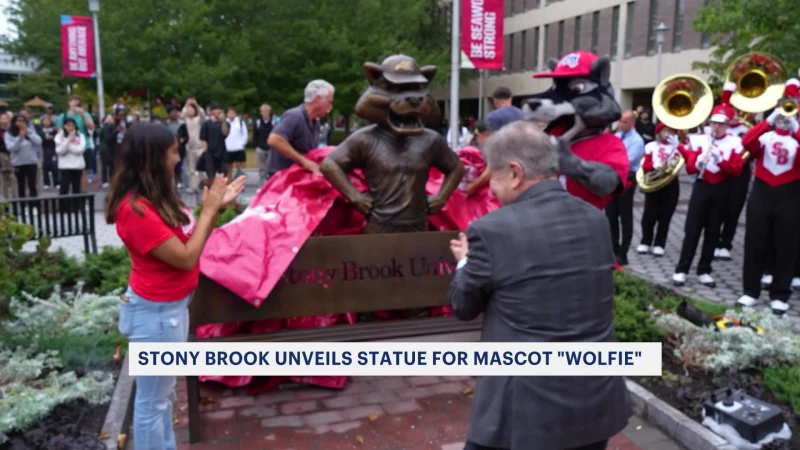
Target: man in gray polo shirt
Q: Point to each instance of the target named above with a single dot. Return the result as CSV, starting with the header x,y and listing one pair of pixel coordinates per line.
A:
x,y
298,130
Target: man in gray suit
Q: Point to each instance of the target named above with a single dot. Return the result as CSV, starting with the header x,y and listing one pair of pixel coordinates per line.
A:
x,y
541,268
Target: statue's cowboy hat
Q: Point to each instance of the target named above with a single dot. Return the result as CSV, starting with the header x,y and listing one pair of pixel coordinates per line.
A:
x,y
402,69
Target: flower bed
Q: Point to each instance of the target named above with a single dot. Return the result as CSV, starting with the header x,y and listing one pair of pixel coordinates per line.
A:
x,y
698,361
60,352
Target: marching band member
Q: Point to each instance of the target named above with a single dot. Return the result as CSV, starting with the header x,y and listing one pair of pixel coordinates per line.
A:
x,y
716,159
659,205
732,208
773,211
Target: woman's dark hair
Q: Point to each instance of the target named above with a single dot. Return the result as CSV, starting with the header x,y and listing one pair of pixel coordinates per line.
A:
x,y
69,120
139,170
196,112
14,129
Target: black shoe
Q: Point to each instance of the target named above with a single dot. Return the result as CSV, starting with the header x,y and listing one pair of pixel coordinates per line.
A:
x,y
622,259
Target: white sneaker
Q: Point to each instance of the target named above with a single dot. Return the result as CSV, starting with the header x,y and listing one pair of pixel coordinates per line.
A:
x,y
679,279
705,279
642,249
46,187
796,283
658,251
724,254
779,307
766,280
746,300
105,185
716,253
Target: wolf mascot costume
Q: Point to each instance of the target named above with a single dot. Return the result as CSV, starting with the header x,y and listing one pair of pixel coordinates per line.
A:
x,y
578,107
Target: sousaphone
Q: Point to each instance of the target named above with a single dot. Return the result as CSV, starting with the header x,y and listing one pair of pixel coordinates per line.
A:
x,y
760,80
682,102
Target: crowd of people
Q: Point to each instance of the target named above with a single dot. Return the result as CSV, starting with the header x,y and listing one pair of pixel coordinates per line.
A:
x,y
64,152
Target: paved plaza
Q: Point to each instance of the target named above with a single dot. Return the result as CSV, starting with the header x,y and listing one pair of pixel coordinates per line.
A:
x,y
727,274
371,413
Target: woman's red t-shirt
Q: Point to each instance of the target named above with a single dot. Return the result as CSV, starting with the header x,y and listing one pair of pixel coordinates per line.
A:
x,y
151,278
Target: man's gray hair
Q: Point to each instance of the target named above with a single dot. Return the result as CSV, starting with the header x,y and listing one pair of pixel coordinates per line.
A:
x,y
526,144
317,88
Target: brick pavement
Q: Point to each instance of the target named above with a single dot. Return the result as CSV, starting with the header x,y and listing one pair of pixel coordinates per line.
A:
x,y
727,274
374,413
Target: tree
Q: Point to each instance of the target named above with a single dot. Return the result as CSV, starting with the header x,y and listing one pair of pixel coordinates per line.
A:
x,y
740,26
47,86
238,52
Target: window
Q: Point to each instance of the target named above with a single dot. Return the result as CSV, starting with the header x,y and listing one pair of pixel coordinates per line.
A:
x,y
595,31
511,52
511,9
534,64
524,39
576,42
629,30
547,42
651,35
560,39
677,33
614,31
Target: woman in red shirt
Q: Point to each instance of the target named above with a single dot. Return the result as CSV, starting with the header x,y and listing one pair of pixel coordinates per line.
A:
x,y
165,243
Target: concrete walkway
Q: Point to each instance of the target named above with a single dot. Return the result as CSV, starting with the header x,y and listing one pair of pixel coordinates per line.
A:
x,y
371,413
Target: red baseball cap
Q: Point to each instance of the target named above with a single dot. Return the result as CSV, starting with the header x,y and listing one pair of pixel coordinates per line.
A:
x,y
575,64
721,114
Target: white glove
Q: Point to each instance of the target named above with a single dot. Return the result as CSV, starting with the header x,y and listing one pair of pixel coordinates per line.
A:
x,y
673,141
773,116
729,86
793,124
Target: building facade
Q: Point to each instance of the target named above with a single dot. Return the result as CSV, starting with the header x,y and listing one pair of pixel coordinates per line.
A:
x,y
537,30
12,68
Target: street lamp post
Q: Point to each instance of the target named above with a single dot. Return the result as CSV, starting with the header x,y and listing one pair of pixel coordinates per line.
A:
x,y
660,41
94,8
455,53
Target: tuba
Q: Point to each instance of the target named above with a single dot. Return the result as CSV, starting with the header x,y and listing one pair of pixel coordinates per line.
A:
x,y
760,79
682,102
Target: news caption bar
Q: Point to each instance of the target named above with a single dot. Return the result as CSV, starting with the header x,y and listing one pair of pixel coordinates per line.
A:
x,y
396,359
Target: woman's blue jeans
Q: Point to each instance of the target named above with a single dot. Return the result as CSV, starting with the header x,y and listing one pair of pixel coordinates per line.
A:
x,y
143,320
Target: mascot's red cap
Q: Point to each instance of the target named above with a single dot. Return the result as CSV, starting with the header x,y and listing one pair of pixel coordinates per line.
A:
x,y
792,88
575,64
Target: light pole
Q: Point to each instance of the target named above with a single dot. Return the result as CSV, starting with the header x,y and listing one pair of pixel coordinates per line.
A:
x,y
94,8
660,42
455,53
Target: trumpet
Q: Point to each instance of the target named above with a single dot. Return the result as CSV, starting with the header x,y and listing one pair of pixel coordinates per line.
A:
x,y
681,102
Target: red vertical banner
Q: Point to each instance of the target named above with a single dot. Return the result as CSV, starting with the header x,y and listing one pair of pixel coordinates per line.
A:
x,y
482,34
77,46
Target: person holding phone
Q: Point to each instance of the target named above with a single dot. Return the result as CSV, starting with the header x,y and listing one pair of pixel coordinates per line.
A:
x,y
25,147
70,148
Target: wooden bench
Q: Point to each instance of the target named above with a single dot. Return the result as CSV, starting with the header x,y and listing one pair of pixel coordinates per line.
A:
x,y
416,287
58,217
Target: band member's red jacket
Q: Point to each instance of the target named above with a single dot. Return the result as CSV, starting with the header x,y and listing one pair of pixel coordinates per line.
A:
x,y
775,152
727,164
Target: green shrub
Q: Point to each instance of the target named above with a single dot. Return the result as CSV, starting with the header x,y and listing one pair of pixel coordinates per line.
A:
x,y
737,348
784,382
81,327
230,213
37,273
13,235
108,270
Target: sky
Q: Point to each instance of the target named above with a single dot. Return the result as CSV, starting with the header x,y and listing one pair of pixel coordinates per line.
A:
x,y
3,20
